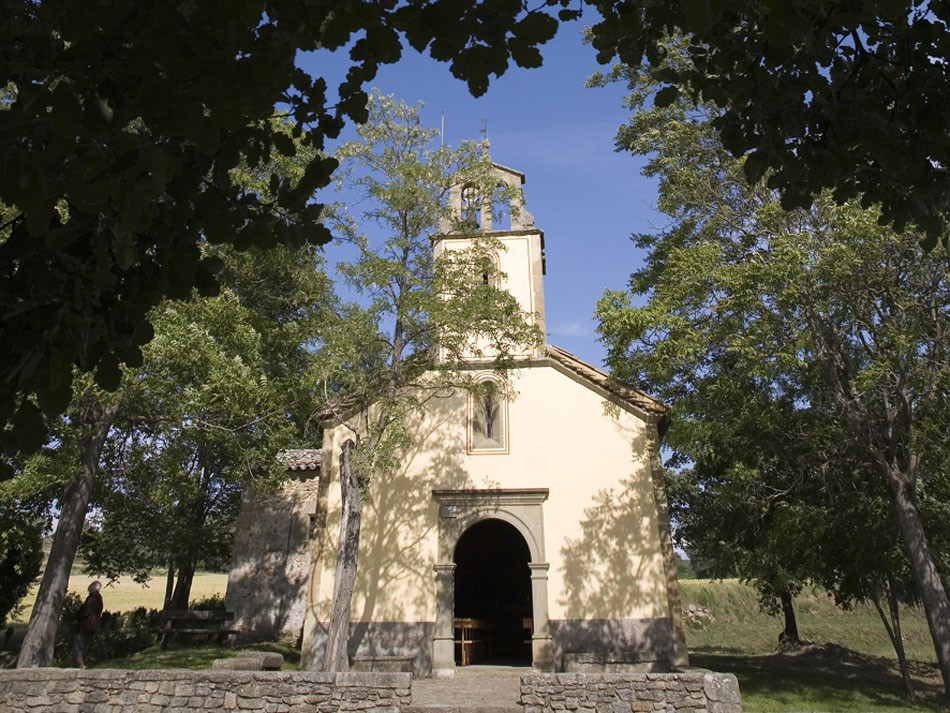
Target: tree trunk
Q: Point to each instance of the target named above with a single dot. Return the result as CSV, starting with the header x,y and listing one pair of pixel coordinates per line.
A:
x,y
893,628
169,585
40,638
186,577
900,485
932,594
790,635
338,628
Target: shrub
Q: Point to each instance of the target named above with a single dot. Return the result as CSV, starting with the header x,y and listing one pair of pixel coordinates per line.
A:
x,y
120,634
213,602
21,554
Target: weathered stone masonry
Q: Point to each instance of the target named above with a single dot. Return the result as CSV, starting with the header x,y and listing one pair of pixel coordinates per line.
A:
x,y
50,690
693,692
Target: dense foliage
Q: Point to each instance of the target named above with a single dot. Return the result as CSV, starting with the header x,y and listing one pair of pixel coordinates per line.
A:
x,y
841,95
122,126
222,388
21,553
805,354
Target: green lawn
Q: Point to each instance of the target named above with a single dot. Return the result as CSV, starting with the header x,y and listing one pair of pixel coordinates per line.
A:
x,y
848,666
125,595
197,657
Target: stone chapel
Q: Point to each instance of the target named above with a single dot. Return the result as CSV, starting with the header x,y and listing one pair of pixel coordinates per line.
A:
x,y
532,532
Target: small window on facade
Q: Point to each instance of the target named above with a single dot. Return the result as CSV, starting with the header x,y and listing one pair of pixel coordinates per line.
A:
x,y
488,422
491,272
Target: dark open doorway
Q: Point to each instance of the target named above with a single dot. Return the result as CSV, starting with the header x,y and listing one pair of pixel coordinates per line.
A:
x,y
492,596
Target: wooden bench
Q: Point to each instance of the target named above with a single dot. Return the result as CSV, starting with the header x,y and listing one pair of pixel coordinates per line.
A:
x,y
213,624
472,640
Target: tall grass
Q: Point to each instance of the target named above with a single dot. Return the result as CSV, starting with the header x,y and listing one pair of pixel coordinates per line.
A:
x,y
126,595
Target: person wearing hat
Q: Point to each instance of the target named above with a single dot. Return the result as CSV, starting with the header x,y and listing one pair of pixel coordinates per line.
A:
x,y
88,619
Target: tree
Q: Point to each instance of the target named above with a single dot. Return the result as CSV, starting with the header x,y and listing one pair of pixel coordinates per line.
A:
x,y
213,403
177,441
169,450
21,553
121,128
81,435
377,361
824,309
736,483
817,95
119,132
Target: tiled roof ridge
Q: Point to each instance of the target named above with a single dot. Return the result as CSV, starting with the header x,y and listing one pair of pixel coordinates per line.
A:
x,y
301,458
607,382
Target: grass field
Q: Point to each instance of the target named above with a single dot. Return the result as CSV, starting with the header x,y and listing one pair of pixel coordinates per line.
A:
x,y
848,666
126,595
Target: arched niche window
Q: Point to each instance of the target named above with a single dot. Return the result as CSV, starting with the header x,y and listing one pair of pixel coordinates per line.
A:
x,y
490,273
471,205
488,417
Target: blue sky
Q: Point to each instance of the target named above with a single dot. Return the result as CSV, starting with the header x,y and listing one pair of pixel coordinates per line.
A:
x,y
587,198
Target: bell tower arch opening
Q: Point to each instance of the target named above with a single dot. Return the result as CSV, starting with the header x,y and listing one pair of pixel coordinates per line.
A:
x,y
493,607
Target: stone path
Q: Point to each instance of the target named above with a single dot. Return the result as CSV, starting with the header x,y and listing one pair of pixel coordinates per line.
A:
x,y
473,689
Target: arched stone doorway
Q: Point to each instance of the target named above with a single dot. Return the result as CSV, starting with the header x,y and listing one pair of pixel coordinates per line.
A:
x,y
459,510
493,612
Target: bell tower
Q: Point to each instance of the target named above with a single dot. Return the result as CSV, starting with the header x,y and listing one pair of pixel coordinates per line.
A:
x,y
520,258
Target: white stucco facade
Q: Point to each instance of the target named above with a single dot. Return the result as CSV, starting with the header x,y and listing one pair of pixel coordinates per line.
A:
x,y
577,478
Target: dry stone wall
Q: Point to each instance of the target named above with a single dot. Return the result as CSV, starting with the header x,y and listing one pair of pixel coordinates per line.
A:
x,y
48,690
688,692
270,564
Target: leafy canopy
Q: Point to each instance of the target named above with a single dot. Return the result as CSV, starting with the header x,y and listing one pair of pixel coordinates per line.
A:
x,y
120,126
805,355
121,122
848,96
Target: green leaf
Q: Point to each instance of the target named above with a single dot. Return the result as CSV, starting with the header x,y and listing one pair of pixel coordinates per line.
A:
x,y
124,248
67,111
535,28
284,144
666,96
755,166
525,56
29,427
699,15
108,374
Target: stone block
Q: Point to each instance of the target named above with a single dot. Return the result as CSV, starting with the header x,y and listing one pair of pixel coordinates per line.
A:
x,y
62,686
721,687
96,696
